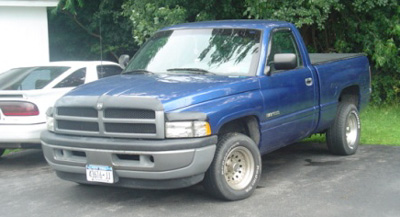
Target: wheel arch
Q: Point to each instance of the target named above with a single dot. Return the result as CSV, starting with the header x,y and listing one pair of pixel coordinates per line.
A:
x,y
350,94
247,125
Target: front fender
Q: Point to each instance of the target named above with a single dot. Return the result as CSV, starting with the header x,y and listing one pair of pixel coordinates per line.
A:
x,y
225,109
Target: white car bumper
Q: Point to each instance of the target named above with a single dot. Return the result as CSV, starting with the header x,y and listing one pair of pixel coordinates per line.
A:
x,y
21,136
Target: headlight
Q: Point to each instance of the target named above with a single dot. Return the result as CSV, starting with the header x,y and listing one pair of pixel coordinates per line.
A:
x,y
187,129
50,119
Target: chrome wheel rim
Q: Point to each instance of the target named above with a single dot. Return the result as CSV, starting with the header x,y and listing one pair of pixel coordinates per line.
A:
x,y
239,168
351,130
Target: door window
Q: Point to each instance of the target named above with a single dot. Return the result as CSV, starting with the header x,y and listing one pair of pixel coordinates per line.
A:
x,y
75,79
283,42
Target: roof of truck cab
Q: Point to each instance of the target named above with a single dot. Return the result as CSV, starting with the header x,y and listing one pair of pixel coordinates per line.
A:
x,y
248,24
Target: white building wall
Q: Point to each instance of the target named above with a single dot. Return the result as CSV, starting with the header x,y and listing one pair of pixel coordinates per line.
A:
x,y
24,36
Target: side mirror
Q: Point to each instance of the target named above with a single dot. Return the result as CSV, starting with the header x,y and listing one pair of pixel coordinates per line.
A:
x,y
123,60
285,61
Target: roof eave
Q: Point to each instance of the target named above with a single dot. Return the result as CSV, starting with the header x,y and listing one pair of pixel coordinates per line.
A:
x,y
29,3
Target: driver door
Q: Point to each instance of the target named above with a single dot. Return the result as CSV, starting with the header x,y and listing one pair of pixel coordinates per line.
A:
x,y
290,100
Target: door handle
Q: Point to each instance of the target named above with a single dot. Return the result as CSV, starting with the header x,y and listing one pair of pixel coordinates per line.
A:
x,y
309,81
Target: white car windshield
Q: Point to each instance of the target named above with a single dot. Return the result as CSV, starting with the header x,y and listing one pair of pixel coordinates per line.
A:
x,y
29,78
200,51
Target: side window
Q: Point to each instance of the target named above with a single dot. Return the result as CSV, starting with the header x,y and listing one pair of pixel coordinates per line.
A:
x,y
36,80
75,79
283,42
108,70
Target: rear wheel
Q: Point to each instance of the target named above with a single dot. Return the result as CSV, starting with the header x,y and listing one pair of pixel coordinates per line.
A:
x,y
236,168
343,137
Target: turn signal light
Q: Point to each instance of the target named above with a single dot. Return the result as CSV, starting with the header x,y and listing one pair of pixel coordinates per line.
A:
x,y
19,109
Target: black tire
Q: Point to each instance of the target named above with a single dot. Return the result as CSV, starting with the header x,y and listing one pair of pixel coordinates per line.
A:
x,y
343,137
238,160
2,151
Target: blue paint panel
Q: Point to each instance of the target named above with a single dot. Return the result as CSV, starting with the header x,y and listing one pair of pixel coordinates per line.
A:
x,y
225,109
287,93
335,77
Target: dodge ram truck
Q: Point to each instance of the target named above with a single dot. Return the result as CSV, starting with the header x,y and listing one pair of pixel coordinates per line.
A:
x,y
202,102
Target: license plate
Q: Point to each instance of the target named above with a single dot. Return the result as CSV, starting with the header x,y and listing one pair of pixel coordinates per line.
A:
x,y
98,173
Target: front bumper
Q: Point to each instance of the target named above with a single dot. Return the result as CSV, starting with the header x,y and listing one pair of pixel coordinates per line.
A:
x,y
21,136
150,164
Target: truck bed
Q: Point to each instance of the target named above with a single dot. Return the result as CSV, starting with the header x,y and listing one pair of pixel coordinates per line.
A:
x,y
335,73
320,58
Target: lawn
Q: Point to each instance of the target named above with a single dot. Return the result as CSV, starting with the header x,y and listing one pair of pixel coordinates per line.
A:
x,y
379,126
10,151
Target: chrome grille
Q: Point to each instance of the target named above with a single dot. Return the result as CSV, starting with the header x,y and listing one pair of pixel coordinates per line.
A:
x,y
124,117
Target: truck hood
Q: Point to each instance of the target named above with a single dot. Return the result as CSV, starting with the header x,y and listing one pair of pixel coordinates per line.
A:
x,y
174,91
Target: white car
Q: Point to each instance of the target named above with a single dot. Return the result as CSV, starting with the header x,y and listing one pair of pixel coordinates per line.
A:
x,y
26,93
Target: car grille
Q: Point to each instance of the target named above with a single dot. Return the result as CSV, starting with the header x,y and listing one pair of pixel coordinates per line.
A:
x,y
109,120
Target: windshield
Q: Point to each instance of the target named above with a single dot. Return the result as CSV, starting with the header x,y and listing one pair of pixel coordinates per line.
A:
x,y
30,78
214,51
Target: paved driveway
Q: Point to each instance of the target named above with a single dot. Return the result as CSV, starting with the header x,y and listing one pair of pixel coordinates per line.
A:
x,y
300,180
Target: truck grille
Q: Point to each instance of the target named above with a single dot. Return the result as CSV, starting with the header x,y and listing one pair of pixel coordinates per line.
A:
x,y
129,113
77,111
84,119
130,128
78,125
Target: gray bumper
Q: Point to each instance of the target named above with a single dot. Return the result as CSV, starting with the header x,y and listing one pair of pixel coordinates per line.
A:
x,y
156,164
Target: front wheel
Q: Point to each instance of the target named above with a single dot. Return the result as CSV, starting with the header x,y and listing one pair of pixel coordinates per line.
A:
x,y
343,137
236,169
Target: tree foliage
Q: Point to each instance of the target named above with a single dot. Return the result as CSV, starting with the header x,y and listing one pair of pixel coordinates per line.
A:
x,y
90,29
147,16
369,26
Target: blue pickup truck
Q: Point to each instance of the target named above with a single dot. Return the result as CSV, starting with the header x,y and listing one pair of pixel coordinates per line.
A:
x,y
203,102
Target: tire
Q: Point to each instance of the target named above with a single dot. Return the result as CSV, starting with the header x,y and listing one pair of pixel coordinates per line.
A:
x,y
2,151
343,137
236,169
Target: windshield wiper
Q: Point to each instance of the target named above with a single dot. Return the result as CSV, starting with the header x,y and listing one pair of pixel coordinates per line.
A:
x,y
138,71
194,70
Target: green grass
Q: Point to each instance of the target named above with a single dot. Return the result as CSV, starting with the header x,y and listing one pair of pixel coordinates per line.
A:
x,y
7,151
379,126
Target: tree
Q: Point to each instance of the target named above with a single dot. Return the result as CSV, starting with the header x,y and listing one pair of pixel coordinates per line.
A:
x,y
77,27
147,16
369,26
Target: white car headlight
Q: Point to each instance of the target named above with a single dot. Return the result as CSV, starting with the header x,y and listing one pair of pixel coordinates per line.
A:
x,y
187,129
50,119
